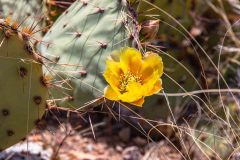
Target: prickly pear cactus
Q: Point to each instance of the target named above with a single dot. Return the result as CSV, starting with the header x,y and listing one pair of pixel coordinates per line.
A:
x,y
23,92
26,12
79,42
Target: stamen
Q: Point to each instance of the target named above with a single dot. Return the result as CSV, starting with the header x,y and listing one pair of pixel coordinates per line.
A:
x,y
125,79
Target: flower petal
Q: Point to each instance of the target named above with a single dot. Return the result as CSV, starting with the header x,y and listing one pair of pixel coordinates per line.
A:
x,y
139,102
149,83
156,88
134,93
146,72
112,79
110,94
154,61
131,60
114,67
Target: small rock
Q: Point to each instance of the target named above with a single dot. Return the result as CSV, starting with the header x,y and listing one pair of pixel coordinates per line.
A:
x,y
89,148
140,141
125,134
132,153
236,156
119,148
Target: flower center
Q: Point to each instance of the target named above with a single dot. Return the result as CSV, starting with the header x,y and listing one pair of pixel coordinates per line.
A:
x,y
125,79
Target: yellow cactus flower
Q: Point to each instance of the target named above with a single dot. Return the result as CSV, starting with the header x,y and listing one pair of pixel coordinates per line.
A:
x,y
132,77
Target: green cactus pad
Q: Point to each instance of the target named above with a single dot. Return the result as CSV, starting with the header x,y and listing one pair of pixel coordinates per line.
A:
x,y
22,91
80,40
